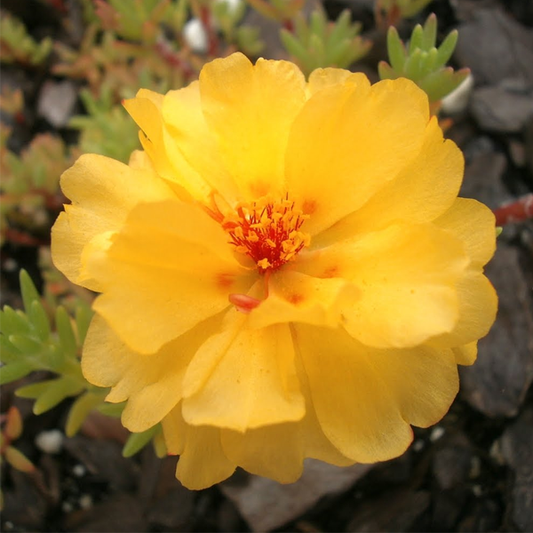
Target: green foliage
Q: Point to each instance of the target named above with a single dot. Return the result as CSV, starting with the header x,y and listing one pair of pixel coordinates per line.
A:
x,y
319,43
137,441
17,46
422,62
139,20
280,10
30,185
107,129
29,343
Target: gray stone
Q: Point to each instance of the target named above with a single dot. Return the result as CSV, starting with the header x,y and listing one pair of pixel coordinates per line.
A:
x,y
501,109
267,505
517,449
497,383
495,47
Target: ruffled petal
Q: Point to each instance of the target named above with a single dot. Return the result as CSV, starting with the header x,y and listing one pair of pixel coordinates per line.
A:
x,y
189,139
422,191
348,142
478,304
103,191
152,384
475,224
167,270
243,378
326,77
147,111
202,462
296,297
465,355
250,109
356,409
406,276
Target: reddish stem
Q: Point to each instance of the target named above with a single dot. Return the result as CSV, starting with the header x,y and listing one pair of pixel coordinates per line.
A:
x,y
288,24
517,211
174,60
212,38
19,237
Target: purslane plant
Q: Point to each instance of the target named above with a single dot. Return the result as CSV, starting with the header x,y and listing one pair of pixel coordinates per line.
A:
x,y
284,272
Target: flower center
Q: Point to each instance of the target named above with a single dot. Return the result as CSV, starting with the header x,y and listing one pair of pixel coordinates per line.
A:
x,y
268,232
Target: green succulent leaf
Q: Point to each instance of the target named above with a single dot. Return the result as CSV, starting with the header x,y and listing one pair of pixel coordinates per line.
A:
x,y
83,405
137,441
421,61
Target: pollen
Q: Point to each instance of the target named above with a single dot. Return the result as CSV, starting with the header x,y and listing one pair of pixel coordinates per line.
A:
x,y
267,231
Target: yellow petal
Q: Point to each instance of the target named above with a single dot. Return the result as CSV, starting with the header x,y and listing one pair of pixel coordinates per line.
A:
x,y
174,431
478,304
474,224
406,276
465,355
296,297
250,108
146,110
203,462
102,192
151,384
348,142
423,190
272,451
423,381
189,140
242,378
325,77
354,405
167,270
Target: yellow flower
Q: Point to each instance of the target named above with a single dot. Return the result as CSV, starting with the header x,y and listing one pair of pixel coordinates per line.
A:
x,y
285,270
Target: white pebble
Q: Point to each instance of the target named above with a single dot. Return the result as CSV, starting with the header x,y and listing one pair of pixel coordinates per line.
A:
x,y
67,507
79,470
436,433
86,501
195,35
50,441
457,100
418,445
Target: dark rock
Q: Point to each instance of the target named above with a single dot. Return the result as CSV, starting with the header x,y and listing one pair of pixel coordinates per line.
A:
x,y
104,459
517,449
121,514
447,506
528,142
394,511
173,511
484,515
24,506
501,109
497,383
267,505
452,464
483,174
495,47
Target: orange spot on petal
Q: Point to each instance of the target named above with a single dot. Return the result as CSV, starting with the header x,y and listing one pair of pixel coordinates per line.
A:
x,y
295,298
224,281
309,207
